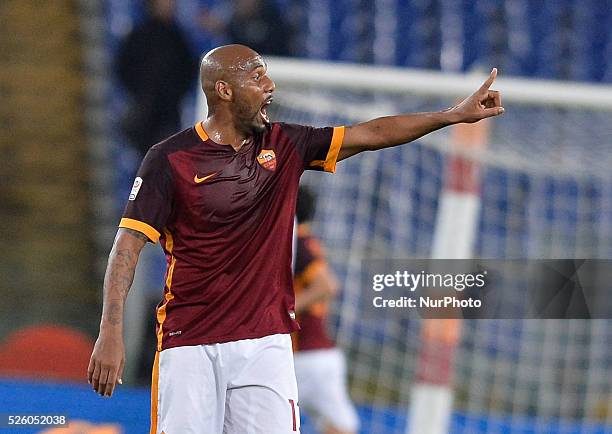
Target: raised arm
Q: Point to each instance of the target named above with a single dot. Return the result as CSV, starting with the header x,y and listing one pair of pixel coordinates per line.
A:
x,y
108,357
391,131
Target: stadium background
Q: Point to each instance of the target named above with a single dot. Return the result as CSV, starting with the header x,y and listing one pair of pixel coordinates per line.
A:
x,y
67,173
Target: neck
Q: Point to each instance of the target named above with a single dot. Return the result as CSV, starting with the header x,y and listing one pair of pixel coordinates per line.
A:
x,y
222,129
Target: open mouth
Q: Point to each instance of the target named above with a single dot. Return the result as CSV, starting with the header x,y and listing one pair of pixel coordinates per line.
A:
x,y
263,111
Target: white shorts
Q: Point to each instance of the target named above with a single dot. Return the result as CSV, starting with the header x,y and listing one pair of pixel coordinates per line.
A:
x,y
245,387
321,377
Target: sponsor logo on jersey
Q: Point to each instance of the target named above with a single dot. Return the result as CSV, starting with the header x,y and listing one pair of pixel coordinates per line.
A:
x,y
267,159
135,188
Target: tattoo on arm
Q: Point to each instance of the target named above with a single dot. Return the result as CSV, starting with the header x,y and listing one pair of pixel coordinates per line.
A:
x,y
120,274
121,270
113,315
137,234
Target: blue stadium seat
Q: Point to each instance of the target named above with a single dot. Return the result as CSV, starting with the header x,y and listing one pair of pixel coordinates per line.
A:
x,y
565,39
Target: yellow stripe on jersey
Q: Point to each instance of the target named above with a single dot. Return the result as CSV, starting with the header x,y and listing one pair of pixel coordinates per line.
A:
x,y
151,233
161,312
334,149
200,130
154,394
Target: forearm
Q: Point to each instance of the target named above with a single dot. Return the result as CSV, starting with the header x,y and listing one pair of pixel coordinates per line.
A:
x,y
391,131
394,130
119,277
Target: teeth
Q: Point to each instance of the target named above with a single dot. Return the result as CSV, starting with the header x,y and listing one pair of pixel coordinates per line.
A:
x,y
264,111
264,114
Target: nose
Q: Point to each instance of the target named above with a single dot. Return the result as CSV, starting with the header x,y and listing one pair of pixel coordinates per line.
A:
x,y
269,85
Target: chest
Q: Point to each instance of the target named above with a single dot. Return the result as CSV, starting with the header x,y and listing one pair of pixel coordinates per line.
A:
x,y
216,187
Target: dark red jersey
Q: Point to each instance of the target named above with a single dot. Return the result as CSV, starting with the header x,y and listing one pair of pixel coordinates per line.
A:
x,y
309,260
225,222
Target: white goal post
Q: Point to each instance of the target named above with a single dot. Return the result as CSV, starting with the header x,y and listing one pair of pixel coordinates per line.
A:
x,y
394,80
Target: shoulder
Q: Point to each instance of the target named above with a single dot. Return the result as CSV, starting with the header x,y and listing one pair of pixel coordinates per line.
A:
x,y
281,135
294,133
298,130
288,128
183,140
159,156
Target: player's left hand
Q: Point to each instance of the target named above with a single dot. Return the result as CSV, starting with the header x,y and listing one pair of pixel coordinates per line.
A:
x,y
484,103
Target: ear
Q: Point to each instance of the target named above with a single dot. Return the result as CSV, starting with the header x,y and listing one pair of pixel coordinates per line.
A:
x,y
224,90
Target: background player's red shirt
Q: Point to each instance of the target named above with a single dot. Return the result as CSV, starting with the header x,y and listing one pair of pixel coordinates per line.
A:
x,y
308,260
225,222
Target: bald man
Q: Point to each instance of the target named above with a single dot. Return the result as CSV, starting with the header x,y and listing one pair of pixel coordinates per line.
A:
x,y
220,197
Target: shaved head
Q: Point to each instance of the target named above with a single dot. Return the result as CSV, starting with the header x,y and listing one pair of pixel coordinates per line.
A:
x,y
237,87
227,63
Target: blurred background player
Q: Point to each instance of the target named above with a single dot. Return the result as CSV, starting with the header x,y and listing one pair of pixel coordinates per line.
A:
x,y
259,24
156,67
320,367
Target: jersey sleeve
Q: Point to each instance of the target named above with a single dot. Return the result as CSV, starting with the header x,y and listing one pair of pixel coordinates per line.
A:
x,y
150,201
318,147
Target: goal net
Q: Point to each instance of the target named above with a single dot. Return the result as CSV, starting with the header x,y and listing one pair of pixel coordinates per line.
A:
x,y
545,191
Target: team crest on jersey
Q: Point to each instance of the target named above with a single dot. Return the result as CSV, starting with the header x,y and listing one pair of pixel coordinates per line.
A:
x,y
267,158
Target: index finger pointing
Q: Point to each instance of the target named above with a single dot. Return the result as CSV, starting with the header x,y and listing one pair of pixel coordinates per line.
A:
x,y
489,81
